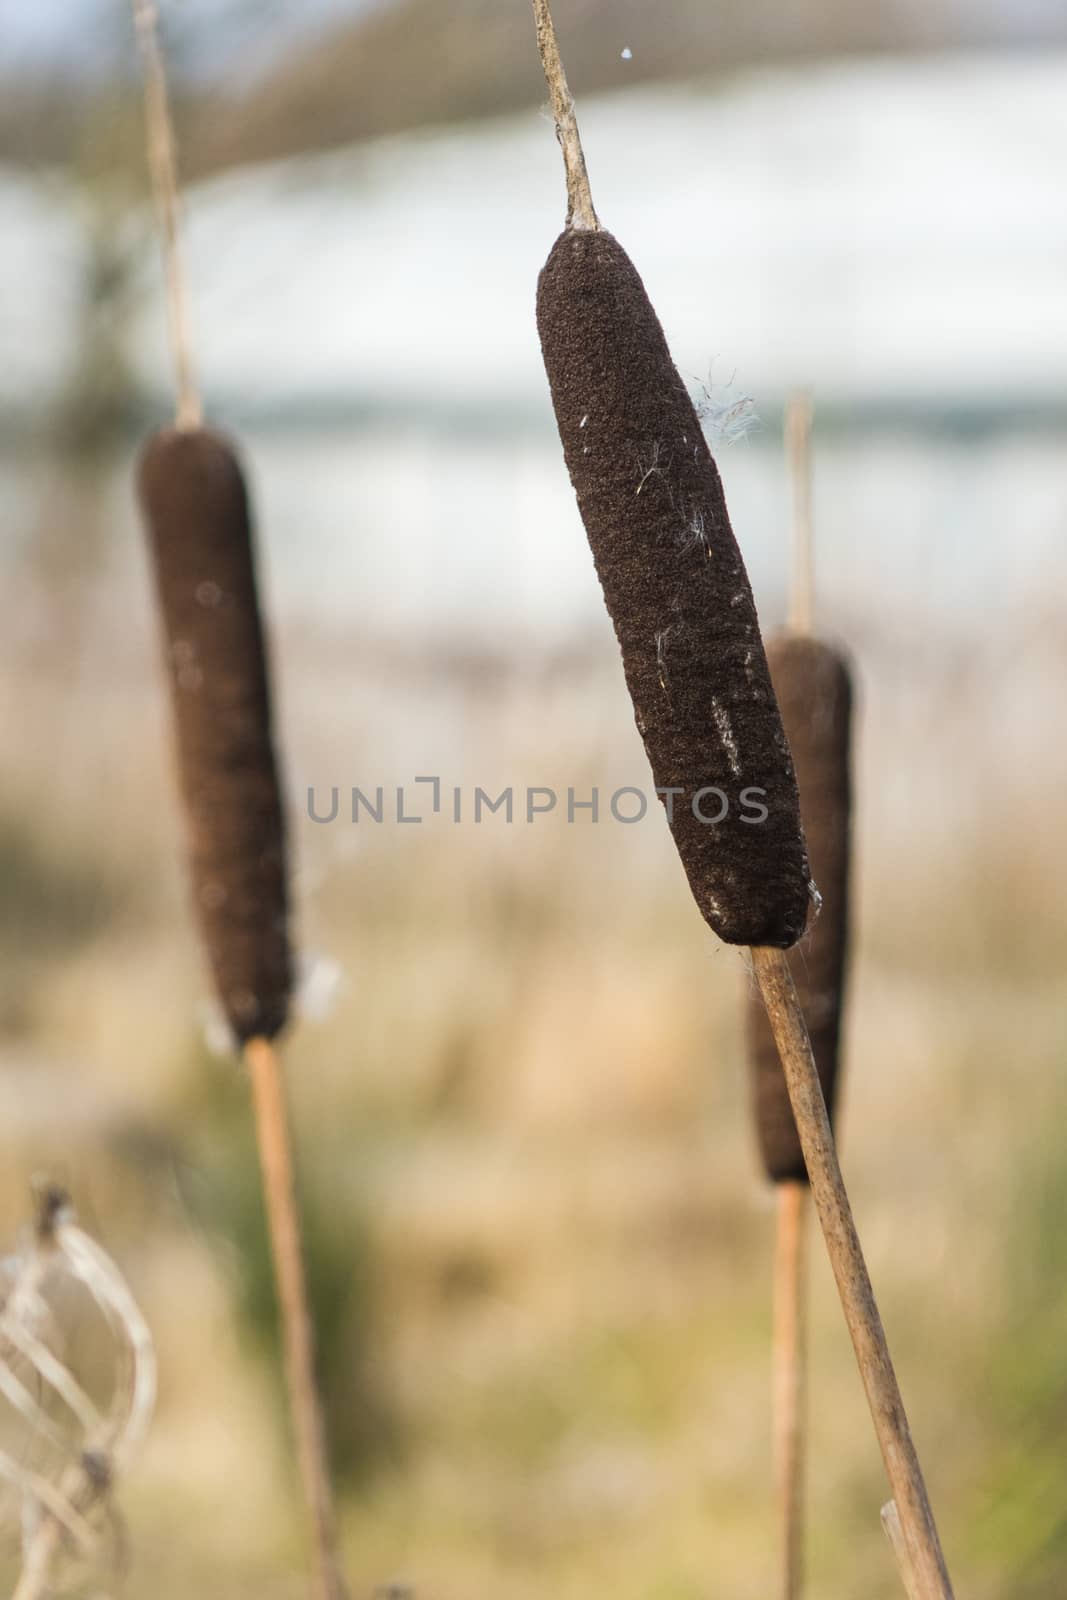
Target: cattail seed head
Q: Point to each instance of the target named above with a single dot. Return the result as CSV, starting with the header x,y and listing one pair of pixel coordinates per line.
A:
x,y
676,589
199,530
814,689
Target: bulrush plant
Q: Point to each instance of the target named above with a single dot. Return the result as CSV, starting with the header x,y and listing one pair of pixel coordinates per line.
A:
x,y
199,527
677,592
813,686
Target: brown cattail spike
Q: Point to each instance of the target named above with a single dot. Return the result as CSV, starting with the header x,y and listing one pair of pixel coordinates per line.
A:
x,y
676,588
814,689
199,530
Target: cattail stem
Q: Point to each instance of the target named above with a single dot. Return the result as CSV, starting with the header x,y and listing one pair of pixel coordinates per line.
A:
x,y
580,211
268,1092
164,168
276,1163
789,1342
895,1535
798,418
789,1383
850,1270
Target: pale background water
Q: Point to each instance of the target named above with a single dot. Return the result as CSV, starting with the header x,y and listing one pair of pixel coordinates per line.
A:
x,y
891,234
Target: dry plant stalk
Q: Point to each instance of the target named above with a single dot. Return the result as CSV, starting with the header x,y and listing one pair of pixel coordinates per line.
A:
x,y
895,1534
666,558
813,684
276,1161
198,519
798,419
58,1512
164,166
580,210
789,1382
850,1272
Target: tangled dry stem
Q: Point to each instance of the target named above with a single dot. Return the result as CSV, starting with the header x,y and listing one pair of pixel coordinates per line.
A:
x,y
59,1511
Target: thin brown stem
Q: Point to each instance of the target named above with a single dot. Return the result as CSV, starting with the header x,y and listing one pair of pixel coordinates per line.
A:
x,y
580,211
789,1383
798,419
163,163
850,1271
276,1162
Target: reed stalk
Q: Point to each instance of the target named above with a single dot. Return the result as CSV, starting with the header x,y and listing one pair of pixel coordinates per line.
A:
x,y
199,524
675,586
862,1317
789,1383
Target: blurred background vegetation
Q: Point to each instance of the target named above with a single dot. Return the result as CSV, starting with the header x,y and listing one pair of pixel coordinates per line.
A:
x,y
539,1243
267,78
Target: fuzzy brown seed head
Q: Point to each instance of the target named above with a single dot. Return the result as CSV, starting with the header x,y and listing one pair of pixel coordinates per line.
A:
x,y
814,689
197,518
676,589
